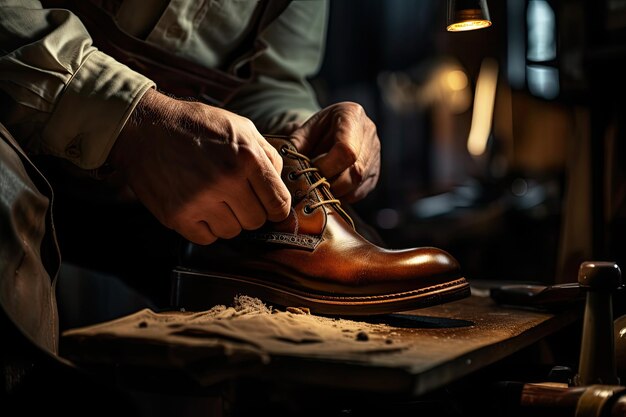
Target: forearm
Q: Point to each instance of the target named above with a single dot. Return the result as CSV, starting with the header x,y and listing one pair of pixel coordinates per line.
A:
x,y
62,96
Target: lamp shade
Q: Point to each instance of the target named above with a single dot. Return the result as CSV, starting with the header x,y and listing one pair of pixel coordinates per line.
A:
x,y
467,15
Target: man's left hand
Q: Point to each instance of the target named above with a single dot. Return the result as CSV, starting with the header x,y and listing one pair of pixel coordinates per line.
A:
x,y
343,143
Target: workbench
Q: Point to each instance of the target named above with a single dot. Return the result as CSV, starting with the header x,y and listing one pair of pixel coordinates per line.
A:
x,y
406,354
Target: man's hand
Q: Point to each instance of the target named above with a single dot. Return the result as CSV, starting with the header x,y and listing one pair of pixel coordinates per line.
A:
x,y
203,171
345,147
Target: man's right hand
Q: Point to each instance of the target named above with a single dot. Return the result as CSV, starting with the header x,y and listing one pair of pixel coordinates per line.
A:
x,y
203,171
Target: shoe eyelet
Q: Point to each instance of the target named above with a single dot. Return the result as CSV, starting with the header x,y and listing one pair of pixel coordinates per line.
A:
x,y
283,150
307,209
292,176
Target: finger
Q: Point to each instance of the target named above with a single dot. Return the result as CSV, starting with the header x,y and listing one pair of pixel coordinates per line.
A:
x,y
248,209
368,181
368,166
271,192
341,156
222,221
272,155
343,184
355,177
265,182
197,232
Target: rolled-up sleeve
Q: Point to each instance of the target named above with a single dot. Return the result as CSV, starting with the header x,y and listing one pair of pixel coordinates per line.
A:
x,y
59,95
281,93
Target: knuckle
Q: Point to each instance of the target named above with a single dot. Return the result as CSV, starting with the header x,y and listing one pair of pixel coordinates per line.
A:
x,y
276,160
357,172
348,114
352,107
277,205
247,123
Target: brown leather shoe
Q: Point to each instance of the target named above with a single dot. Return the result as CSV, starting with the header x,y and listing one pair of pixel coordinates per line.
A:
x,y
315,259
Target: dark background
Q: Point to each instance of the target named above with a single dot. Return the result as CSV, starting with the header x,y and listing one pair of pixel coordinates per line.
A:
x,y
493,233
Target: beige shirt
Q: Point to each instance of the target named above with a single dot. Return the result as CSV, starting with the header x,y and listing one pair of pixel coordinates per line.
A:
x,y
60,95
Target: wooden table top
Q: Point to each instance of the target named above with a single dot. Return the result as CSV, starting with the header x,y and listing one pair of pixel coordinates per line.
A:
x,y
410,353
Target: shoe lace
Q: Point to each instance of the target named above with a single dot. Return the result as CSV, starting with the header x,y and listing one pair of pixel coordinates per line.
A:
x,y
321,182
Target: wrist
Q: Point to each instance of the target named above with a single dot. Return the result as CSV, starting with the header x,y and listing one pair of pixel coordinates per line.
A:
x,y
130,136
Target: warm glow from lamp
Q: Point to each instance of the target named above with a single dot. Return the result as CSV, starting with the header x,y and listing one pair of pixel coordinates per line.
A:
x,y
456,80
484,100
464,15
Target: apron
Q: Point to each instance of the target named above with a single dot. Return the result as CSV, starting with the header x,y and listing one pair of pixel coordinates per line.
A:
x,y
173,74
29,255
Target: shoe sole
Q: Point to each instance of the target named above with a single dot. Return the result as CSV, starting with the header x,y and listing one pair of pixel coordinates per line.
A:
x,y
194,291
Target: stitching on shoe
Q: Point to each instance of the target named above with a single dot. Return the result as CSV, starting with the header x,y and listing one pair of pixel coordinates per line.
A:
x,y
298,240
